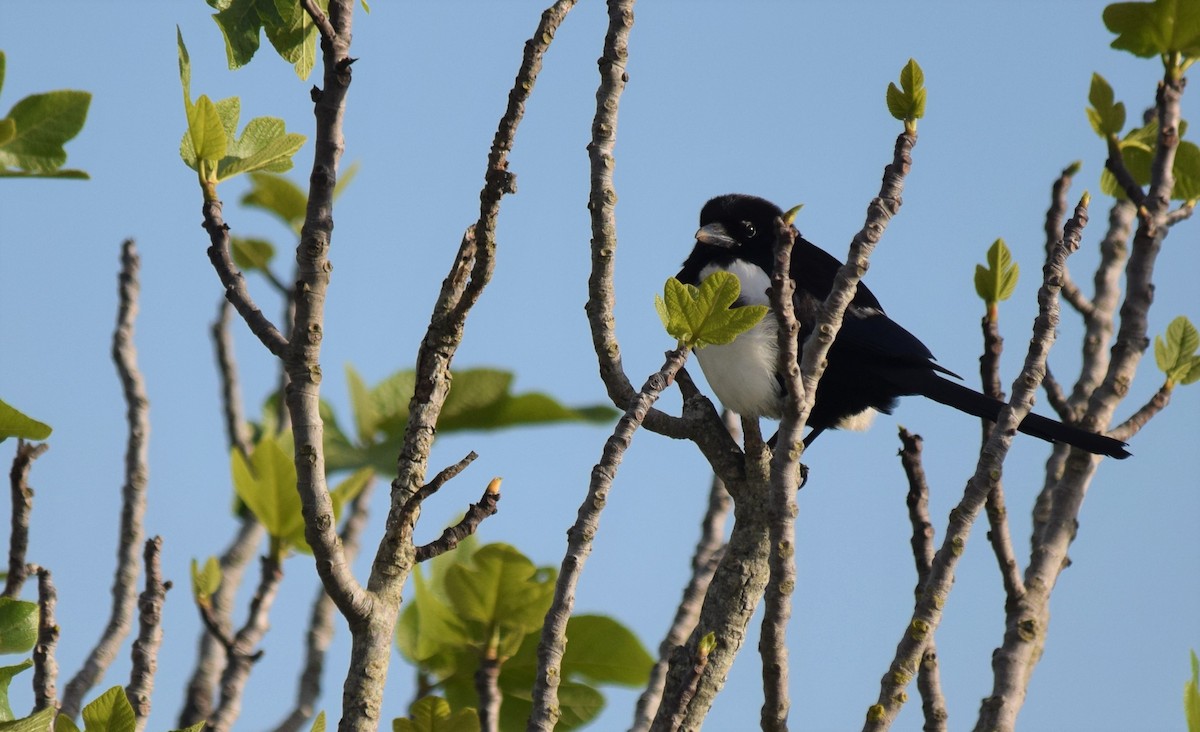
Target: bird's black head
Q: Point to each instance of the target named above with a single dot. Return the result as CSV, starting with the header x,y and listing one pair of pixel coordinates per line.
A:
x,y
743,225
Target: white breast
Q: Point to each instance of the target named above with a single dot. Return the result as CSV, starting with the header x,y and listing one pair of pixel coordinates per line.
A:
x,y
742,373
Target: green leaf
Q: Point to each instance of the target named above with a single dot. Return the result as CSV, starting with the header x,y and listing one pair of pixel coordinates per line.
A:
x,y
264,145
1106,116
318,724
3,66
907,102
365,406
1191,697
206,580
267,485
1149,29
433,714
428,626
702,316
279,196
251,254
502,593
39,722
62,723
110,712
240,22
14,423
996,282
18,625
1186,171
41,124
6,676
294,35
8,131
603,651
1176,354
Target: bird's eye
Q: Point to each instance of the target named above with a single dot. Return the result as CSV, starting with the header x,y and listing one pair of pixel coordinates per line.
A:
x,y
748,229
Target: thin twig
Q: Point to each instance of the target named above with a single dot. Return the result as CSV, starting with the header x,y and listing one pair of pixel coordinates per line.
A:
x,y
929,682
145,647
231,393
579,544
211,655
1138,419
45,668
241,653
709,550
319,18
22,507
133,493
928,611
1183,213
427,490
1057,398
1053,228
452,535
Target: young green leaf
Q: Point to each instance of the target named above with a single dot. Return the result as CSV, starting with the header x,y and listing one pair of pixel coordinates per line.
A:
x,y
603,651
501,590
40,722
6,676
240,22
206,579
318,724
1166,28
110,712
907,102
14,423
277,195
701,316
42,123
1106,116
1176,354
267,485
251,254
293,34
995,282
433,714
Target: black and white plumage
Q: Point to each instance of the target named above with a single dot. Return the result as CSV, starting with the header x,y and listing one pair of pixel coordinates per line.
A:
x,y
873,360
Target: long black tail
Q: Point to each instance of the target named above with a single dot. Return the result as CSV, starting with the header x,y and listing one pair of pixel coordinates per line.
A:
x,y
965,399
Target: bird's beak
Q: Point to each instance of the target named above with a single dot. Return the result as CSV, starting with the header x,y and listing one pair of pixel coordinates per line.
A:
x,y
715,235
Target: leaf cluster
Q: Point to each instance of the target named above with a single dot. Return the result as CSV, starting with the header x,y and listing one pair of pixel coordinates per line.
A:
x,y
703,316
1169,29
1176,354
211,147
433,714
479,399
34,131
290,30
489,602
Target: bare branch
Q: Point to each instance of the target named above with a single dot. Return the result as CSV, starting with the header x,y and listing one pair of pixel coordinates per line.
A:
x,y
929,683
1053,228
928,611
45,668
1057,397
1183,213
487,690
320,19
1116,166
709,550
22,506
427,490
469,523
241,647
579,544
1130,427
145,648
133,493
231,393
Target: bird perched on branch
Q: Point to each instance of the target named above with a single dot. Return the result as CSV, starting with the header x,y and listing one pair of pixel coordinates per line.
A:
x,y
872,362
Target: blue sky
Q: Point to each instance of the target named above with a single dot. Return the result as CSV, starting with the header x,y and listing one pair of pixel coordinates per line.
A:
x,y
784,101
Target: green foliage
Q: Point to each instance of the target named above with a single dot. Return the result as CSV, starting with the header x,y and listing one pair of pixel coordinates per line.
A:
x,y
206,579
289,29
1191,697
479,399
251,254
701,316
318,724
432,714
34,131
18,625
490,602
109,712
1169,29
210,145
39,722
1106,115
279,196
266,484
907,102
1176,354
14,423
6,676
1137,150
995,282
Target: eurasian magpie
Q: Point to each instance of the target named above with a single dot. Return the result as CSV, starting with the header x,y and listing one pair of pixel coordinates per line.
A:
x,y
872,362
